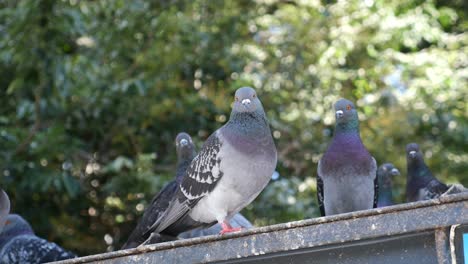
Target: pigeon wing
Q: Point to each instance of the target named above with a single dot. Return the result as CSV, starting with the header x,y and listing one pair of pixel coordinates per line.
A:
x,y
200,179
435,189
155,210
376,184
320,191
32,249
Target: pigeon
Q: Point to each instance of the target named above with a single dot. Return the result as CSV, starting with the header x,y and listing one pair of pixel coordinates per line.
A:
x,y
420,183
346,173
237,221
234,165
185,153
384,175
4,208
18,244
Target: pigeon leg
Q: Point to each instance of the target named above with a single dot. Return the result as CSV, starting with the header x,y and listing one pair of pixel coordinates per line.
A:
x,y
227,228
147,240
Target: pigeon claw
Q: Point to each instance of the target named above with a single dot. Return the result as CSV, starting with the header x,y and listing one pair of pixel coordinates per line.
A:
x,y
227,228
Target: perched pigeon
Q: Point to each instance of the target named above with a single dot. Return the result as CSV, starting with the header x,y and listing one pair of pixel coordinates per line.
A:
x,y
4,208
346,174
237,220
420,183
384,175
233,167
185,153
18,244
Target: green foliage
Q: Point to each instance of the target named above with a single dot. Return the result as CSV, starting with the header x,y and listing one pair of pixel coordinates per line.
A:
x,y
94,92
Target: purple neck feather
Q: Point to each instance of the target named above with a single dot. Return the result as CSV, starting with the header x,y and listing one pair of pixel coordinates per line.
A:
x,y
249,133
346,150
349,142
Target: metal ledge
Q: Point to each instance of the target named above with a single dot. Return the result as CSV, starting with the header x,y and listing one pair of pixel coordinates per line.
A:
x,y
420,229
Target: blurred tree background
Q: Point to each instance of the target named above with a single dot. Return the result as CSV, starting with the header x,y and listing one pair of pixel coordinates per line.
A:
x,y
94,92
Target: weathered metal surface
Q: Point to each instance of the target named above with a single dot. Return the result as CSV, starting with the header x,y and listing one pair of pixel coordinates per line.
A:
x,y
405,233
458,233
413,248
442,245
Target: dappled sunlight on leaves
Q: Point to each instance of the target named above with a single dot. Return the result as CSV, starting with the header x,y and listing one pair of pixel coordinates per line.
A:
x,y
96,91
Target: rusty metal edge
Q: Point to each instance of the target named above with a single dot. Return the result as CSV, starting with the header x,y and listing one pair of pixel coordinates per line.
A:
x,y
267,229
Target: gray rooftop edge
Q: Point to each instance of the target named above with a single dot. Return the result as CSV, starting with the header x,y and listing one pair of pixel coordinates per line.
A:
x,y
393,220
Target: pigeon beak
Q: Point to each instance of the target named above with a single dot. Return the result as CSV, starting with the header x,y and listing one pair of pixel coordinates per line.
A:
x,y
339,114
412,154
183,142
246,102
395,172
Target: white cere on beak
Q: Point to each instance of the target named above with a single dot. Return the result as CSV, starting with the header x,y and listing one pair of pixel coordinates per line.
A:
x,y
412,153
395,171
183,142
339,113
245,102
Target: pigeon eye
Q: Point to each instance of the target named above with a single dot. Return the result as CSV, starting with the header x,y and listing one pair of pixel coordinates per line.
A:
x,y
348,107
254,95
237,98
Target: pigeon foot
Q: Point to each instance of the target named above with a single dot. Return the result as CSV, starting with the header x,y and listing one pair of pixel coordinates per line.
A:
x,y
227,228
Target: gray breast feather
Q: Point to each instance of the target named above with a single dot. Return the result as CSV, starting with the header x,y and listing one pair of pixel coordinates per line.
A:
x,y
350,192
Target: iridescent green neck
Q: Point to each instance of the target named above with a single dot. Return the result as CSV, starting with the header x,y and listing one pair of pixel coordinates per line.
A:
x,y
249,123
350,126
385,196
418,169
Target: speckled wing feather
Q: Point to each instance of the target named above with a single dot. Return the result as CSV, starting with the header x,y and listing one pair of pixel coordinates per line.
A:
x,y
200,179
204,172
320,192
373,172
434,189
376,190
454,189
4,208
32,249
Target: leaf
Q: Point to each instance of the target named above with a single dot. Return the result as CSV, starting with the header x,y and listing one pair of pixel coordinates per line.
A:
x,y
15,85
71,184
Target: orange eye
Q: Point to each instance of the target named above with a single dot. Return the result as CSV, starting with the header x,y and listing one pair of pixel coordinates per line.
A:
x,y
254,95
237,98
348,107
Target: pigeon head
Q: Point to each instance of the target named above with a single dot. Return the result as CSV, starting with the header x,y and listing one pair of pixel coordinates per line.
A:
x,y
185,153
415,165
413,152
247,117
346,115
16,225
246,101
4,208
345,111
386,172
184,145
